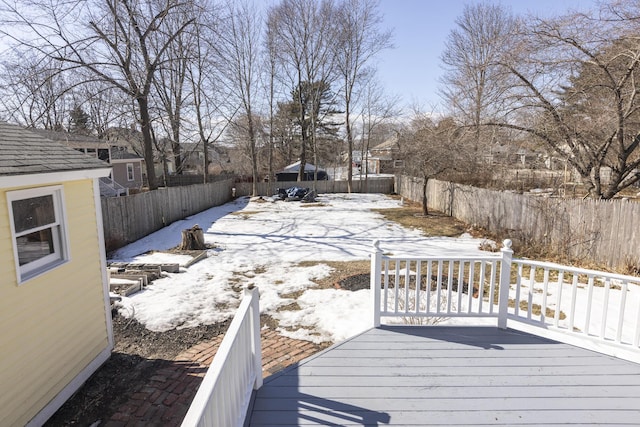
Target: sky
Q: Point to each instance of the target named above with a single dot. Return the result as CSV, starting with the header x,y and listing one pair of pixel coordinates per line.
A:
x,y
272,245
412,69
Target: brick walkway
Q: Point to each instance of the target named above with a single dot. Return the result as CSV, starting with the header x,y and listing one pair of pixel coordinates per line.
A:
x,y
165,399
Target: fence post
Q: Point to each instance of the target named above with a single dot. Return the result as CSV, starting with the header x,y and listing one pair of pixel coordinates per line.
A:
x,y
376,264
256,347
505,279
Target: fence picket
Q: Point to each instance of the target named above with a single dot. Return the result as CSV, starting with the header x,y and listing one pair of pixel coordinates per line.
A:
x,y
602,231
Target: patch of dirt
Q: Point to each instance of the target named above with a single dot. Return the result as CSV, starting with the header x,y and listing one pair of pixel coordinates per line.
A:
x,y
356,282
434,224
138,354
341,271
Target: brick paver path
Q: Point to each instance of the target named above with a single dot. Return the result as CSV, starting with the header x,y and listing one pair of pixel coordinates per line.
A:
x,y
165,399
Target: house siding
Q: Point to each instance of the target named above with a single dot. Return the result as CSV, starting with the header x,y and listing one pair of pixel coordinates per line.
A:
x,y
119,174
53,325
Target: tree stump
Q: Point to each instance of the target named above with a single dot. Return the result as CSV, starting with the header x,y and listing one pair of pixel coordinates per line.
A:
x,y
192,239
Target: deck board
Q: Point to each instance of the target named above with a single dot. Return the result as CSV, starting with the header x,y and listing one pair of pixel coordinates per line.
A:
x,y
418,376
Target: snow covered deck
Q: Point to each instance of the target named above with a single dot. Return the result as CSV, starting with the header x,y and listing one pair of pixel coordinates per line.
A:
x,y
450,375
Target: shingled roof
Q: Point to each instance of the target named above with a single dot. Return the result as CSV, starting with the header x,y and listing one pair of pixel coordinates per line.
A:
x,y
23,151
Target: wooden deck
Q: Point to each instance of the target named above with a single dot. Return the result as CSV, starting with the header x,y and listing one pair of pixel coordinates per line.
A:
x,y
443,375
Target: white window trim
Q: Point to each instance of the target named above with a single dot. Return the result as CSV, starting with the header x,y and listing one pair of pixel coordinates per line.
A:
x,y
131,177
61,242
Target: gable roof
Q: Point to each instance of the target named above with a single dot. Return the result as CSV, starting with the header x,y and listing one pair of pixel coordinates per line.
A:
x,y
388,145
122,154
24,152
295,167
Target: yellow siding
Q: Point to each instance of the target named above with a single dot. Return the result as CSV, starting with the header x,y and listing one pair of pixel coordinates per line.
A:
x,y
53,325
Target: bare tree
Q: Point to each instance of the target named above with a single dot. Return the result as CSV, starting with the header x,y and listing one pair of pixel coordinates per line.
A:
x,y
378,109
35,92
576,92
473,82
107,107
171,87
430,150
237,50
211,109
360,40
121,42
304,32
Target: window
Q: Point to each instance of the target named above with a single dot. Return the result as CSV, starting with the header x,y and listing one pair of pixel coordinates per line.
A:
x,y
103,154
38,229
130,175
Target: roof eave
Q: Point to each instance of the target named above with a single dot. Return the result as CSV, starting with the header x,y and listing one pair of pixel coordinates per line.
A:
x,y
30,179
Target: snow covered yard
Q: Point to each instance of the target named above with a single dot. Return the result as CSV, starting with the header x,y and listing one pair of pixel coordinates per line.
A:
x,y
264,243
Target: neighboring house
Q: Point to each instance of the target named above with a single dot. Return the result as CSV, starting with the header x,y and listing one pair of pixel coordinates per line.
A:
x,y
290,173
127,167
55,319
192,155
384,157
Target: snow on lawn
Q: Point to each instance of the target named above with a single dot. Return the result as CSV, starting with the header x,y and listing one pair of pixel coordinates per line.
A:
x,y
262,243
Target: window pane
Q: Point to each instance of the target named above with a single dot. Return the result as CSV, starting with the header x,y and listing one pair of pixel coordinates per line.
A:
x,y
33,212
34,246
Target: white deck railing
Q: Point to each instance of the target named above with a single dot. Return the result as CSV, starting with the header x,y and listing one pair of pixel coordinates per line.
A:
x,y
589,303
420,290
225,392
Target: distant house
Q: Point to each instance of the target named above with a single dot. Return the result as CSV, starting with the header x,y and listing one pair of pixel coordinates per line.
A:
x,y
385,157
291,172
55,319
127,167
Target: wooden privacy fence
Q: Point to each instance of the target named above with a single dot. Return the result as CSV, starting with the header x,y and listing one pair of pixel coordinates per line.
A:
x,y
127,219
384,185
602,231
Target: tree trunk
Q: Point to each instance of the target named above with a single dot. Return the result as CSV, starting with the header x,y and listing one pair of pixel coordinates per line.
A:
x,y
192,239
425,208
145,122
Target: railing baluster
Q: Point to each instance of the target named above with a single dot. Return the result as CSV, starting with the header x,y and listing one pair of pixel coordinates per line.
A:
x,y
449,286
623,302
407,281
516,309
636,338
386,285
483,272
428,288
556,317
574,296
439,287
605,309
418,283
545,289
587,320
396,287
532,284
470,282
492,286
460,284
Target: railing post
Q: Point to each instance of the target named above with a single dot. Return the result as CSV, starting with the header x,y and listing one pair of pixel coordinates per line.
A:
x,y
256,347
505,279
376,264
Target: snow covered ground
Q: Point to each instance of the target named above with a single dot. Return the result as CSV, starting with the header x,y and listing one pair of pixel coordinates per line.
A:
x,y
263,243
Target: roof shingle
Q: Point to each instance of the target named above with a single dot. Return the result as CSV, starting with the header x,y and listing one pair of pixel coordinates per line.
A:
x,y
23,151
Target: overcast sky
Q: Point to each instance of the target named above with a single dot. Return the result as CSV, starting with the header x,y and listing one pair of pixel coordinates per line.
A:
x,y
412,68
